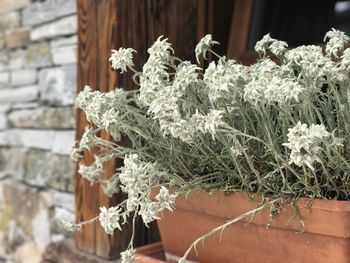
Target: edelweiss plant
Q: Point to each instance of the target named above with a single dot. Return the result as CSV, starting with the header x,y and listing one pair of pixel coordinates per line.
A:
x,y
279,128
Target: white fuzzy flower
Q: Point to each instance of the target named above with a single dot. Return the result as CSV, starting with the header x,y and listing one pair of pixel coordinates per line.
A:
x,y
155,70
213,78
336,43
268,43
95,107
76,153
264,70
262,45
128,256
224,80
176,127
281,90
204,45
149,211
122,59
310,62
278,48
318,131
165,199
253,91
154,77
298,137
84,98
109,219
110,121
88,139
161,49
69,226
345,59
132,202
212,121
91,172
136,176
186,74
291,89
304,143
272,90
197,122
165,103
272,83
132,175
306,55
148,91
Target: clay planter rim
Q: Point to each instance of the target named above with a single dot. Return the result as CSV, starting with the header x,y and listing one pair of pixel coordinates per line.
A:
x,y
326,236
318,203
326,217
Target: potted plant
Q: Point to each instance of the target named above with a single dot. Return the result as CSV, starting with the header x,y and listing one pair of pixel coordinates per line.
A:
x,y
266,144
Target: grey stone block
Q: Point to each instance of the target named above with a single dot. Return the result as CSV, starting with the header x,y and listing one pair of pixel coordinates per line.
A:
x,y
63,142
23,77
61,27
38,55
43,118
58,85
23,94
43,12
47,169
64,54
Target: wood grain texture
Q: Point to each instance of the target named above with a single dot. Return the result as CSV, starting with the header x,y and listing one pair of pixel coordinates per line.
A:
x,y
240,23
176,20
109,24
86,203
106,245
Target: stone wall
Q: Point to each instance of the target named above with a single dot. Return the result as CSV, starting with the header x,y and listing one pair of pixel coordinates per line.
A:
x,y
38,55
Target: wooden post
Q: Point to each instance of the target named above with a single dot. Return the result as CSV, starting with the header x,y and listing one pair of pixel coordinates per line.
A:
x,y
109,24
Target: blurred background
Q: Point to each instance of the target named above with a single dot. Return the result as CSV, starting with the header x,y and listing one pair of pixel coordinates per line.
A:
x,y
39,78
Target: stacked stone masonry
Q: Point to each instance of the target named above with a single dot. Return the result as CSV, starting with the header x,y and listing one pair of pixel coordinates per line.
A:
x,y
38,56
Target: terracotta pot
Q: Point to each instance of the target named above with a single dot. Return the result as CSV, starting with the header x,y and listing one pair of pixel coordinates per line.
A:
x,y
326,237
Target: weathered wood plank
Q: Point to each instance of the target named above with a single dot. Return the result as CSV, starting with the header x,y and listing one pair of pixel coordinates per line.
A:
x,y
239,28
86,203
178,21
